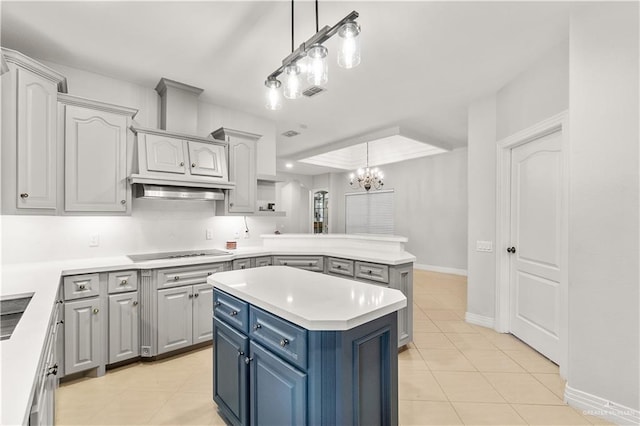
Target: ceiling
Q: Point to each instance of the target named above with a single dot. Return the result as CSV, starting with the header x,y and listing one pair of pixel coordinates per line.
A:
x,y
422,62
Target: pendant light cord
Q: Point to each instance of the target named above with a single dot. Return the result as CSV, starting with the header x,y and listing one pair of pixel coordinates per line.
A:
x,y
317,27
292,34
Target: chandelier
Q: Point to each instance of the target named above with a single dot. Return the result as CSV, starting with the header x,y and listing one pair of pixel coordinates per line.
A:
x,y
366,178
310,58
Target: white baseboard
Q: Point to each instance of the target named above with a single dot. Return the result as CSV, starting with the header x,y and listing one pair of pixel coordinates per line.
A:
x,y
596,406
443,269
479,320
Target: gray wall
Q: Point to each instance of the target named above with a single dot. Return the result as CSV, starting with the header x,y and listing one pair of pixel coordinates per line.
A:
x,y
430,204
604,286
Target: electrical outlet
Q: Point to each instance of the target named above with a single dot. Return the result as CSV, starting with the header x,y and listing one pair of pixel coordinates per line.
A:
x,y
246,234
209,234
236,235
486,246
94,240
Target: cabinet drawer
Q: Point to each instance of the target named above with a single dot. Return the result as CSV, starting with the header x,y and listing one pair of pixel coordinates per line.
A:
x,y
283,338
263,261
241,264
372,272
231,310
173,277
122,281
79,286
340,266
310,263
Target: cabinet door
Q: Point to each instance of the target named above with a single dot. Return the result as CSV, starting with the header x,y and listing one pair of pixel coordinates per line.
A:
x,y
263,261
95,160
202,313
36,133
164,154
277,390
230,349
174,318
82,335
206,159
123,327
242,171
241,264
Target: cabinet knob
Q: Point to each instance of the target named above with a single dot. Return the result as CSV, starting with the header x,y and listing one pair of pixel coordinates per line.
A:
x,y
60,322
310,263
135,303
339,267
182,163
176,278
191,296
53,370
196,295
193,164
247,360
209,273
240,353
24,195
369,272
96,310
82,286
123,282
242,266
233,313
257,326
284,263
217,304
284,342
230,204
511,250
123,202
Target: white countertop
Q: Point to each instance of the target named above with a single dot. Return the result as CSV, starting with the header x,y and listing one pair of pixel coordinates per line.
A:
x,y
20,354
309,299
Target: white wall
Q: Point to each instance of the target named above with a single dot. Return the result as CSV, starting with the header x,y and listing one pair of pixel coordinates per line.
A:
x,y
430,204
154,224
293,195
537,93
604,279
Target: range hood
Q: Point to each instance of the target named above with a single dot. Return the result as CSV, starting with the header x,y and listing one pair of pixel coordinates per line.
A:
x,y
149,191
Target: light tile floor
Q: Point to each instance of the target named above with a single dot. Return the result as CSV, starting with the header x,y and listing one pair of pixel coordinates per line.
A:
x,y
453,373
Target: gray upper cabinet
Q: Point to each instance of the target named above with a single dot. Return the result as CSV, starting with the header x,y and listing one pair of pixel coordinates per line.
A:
x,y
164,154
205,159
29,144
242,171
96,155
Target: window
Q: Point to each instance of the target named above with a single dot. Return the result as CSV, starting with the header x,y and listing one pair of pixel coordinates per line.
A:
x,y
369,213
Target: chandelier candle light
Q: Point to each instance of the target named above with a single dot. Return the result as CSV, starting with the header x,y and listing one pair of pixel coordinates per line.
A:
x,y
367,178
317,68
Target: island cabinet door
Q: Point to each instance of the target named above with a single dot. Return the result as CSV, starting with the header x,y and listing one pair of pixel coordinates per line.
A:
x,y
202,313
175,324
230,379
277,390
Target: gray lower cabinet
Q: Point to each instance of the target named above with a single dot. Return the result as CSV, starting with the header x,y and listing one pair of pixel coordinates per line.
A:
x,y
263,261
268,371
184,316
310,263
241,263
83,337
123,327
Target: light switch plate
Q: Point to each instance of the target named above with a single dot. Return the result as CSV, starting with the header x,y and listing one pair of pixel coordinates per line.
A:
x,y
209,234
94,240
485,246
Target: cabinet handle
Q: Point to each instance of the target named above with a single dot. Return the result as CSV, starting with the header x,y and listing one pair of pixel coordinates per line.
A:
x,y
82,286
217,304
96,310
176,278
123,282
339,267
53,370
257,326
61,301
310,263
193,164
196,295
209,273
240,353
182,163
284,263
135,303
284,342
24,195
247,360
233,313
123,202
242,266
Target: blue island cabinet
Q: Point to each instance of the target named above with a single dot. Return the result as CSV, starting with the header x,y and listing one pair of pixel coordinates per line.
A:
x,y
269,371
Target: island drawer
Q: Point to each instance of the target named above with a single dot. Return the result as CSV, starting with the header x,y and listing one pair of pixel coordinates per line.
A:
x,y
372,272
310,263
121,281
285,339
263,261
241,264
173,277
231,310
340,266
79,286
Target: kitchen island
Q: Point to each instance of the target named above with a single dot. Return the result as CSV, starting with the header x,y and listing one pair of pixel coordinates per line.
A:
x,y
296,347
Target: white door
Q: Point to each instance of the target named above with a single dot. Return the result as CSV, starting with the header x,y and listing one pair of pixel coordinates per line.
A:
x,y
164,154
206,159
535,249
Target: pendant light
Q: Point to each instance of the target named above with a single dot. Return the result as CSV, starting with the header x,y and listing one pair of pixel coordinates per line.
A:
x,y
318,73
292,83
349,51
273,95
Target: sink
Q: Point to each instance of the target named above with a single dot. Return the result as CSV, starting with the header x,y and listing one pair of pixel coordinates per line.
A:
x,y
11,309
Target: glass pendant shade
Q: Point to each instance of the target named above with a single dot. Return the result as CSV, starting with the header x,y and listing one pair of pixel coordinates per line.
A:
x,y
318,68
273,101
349,50
292,82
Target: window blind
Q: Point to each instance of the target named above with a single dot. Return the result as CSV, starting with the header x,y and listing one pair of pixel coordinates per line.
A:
x,y
369,213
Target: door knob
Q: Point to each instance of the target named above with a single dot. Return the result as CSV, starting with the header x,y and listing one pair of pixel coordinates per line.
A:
x,y
511,250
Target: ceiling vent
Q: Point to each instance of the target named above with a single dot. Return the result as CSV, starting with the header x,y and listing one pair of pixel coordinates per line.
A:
x,y
313,90
290,133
